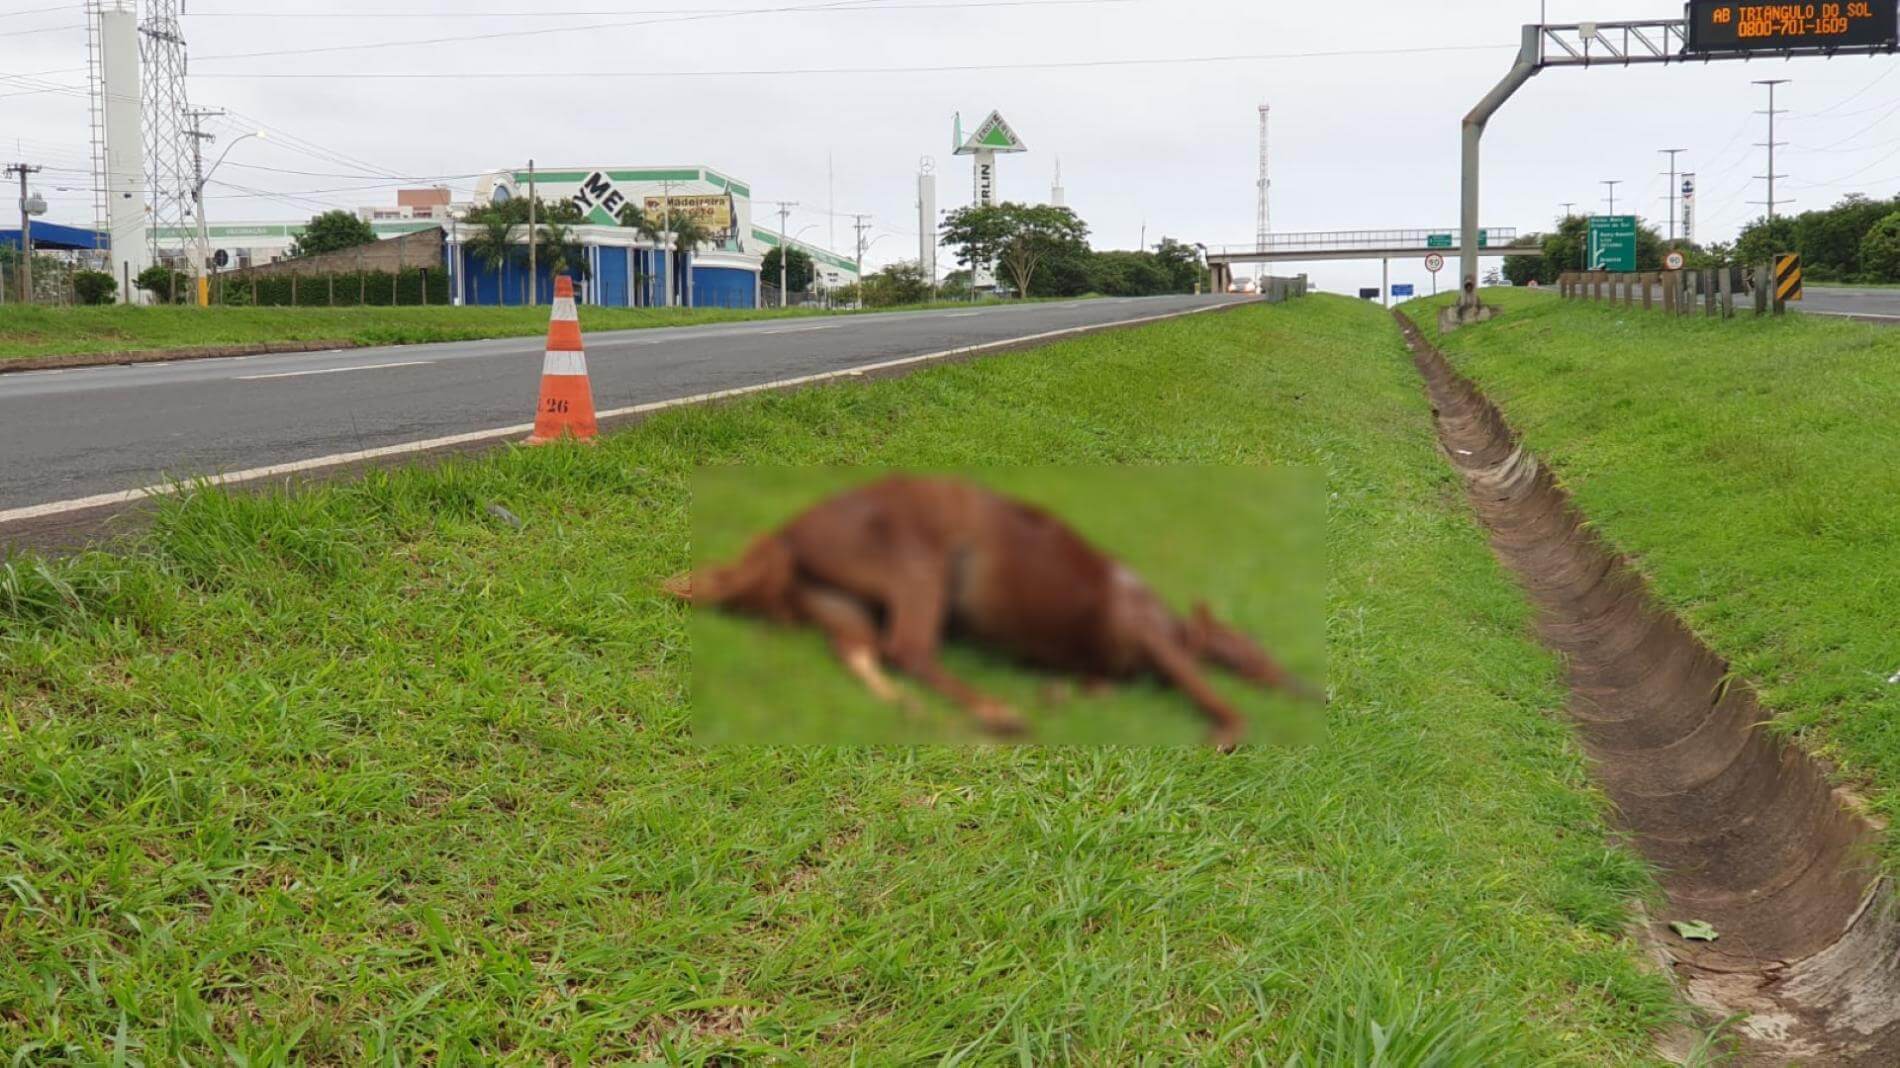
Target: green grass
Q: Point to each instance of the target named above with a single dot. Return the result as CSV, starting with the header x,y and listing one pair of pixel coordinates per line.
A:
x,y
1249,541
1752,468
366,774
43,331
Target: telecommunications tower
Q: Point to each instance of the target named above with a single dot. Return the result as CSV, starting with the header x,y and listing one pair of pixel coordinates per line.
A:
x,y
1263,218
169,138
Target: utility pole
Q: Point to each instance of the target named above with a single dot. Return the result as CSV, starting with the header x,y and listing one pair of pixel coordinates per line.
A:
x,y
534,239
1771,145
860,223
26,230
1612,183
1672,153
672,247
784,247
1568,205
199,138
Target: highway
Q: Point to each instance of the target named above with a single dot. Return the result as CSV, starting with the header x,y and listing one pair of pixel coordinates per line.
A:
x,y
1865,302
71,437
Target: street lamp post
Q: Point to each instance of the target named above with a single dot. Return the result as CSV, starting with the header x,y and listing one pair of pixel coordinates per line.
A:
x,y
204,230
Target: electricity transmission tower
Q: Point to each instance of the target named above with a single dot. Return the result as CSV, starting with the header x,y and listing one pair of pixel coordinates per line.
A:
x,y
1771,143
169,141
1263,217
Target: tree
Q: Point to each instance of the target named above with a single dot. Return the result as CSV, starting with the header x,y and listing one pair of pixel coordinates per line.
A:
x,y
689,233
798,269
1129,274
331,232
165,284
1182,264
493,238
1021,237
94,287
1880,250
1523,270
555,242
633,216
899,283
1762,239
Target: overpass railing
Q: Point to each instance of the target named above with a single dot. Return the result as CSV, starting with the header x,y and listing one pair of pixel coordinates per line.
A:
x,y
1366,240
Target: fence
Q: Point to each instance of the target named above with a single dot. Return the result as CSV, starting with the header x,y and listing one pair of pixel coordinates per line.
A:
x,y
415,287
52,281
1714,290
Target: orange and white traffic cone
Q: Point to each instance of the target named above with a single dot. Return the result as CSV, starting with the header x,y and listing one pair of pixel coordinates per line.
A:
x,y
567,400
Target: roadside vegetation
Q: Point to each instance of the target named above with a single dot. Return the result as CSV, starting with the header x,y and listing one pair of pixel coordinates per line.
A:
x,y
1748,468
1857,242
376,771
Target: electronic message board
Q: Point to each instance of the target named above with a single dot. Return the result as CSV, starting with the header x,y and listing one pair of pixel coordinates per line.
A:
x,y
1757,25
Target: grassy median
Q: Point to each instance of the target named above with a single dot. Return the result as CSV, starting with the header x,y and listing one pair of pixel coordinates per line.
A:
x,y
1752,469
368,772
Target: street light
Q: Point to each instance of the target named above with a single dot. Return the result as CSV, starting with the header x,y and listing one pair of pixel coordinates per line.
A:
x,y
784,256
204,232
455,251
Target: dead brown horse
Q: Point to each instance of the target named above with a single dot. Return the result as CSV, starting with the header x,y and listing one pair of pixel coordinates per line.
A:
x,y
887,570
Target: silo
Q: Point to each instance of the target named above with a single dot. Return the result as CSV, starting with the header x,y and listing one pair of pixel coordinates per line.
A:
x,y
125,147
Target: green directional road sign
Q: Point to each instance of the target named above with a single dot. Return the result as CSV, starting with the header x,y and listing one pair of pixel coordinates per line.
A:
x,y
1437,240
1613,243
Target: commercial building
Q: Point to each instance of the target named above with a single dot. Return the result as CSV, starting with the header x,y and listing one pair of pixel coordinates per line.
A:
x,y
622,266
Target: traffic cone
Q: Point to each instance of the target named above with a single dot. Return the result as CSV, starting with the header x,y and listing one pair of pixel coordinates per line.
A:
x,y
567,400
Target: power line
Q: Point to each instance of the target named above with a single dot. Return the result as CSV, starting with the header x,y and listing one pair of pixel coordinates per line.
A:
x,y
539,31
959,68
35,11
851,7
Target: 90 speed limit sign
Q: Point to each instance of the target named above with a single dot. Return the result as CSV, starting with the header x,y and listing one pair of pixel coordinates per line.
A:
x,y
1674,261
1434,262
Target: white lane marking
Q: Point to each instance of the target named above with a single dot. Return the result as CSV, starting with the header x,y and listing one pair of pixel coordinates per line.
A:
x,y
101,500
1850,315
335,370
800,329
960,315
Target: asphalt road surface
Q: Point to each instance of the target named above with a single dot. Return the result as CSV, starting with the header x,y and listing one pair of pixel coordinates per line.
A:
x,y
79,433
1868,303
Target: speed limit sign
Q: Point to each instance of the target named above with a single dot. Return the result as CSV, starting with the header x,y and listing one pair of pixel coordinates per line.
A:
x,y
1434,262
1674,261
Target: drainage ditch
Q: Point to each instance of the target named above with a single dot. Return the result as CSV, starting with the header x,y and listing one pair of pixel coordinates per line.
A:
x,y
1745,831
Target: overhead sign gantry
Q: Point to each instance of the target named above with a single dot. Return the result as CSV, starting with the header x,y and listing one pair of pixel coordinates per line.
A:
x,y
1709,30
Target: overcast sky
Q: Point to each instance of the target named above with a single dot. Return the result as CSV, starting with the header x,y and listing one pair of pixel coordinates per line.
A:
x,y
1366,100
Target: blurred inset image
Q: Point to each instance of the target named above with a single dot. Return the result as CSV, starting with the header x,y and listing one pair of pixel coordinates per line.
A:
x,y
1071,606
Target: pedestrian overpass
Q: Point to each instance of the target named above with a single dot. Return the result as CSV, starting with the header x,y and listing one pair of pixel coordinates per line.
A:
x,y
1355,245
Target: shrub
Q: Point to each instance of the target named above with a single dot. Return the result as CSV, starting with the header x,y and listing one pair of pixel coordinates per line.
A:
x,y
1880,250
165,284
95,287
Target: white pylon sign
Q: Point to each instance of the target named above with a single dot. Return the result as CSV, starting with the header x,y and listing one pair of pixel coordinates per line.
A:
x,y
993,136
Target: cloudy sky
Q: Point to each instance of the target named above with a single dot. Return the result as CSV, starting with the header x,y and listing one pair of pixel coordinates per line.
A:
x,y
1149,104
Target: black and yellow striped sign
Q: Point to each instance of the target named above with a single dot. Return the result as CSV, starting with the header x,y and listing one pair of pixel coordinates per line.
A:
x,y
1788,276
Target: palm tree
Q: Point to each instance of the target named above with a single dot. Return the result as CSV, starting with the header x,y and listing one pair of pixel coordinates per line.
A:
x,y
493,241
561,251
633,216
689,233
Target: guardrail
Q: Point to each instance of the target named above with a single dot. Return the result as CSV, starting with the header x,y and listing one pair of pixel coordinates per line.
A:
x,y
1678,292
